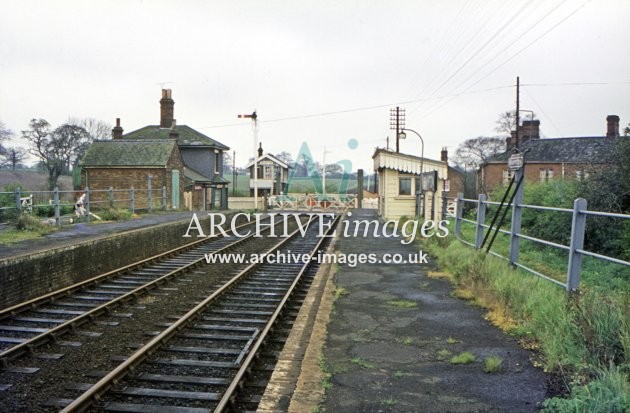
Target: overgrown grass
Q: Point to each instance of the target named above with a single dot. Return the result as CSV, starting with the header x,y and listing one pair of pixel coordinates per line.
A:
x,y
465,357
26,227
492,364
583,337
404,340
403,303
362,363
115,214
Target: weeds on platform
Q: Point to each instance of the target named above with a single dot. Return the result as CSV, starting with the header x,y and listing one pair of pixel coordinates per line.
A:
x,y
362,363
390,401
463,358
492,364
404,340
26,227
403,303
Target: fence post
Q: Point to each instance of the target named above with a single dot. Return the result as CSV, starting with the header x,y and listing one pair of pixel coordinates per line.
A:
x,y
18,199
578,227
164,198
132,199
459,208
86,203
110,196
149,197
517,213
481,219
56,201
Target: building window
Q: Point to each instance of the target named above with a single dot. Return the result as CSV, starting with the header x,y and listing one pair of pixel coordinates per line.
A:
x,y
581,175
217,161
507,176
546,175
404,185
268,174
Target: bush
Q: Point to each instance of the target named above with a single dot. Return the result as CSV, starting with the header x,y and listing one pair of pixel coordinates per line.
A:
x,y
27,222
609,393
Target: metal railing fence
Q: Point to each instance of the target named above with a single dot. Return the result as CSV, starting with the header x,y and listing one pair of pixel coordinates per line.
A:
x,y
575,249
56,204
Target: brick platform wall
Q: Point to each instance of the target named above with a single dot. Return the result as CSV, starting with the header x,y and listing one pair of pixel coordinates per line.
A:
x,y
29,276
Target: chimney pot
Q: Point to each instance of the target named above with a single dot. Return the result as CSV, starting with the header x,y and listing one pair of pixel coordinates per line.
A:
x,y
612,126
260,150
444,155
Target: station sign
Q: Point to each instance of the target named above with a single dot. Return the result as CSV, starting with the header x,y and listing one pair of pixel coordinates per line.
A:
x,y
515,162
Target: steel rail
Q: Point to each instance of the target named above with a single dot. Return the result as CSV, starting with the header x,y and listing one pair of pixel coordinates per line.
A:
x,y
70,325
228,396
95,392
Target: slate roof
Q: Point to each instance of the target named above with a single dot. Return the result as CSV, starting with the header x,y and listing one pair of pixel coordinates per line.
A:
x,y
128,152
563,150
187,136
271,158
201,178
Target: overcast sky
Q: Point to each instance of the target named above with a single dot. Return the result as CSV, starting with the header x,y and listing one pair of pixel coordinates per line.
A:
x,y
320,72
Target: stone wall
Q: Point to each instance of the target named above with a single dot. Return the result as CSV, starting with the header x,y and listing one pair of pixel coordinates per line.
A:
x,y
29,276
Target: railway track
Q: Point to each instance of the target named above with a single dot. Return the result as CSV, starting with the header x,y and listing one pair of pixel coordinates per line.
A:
x,y
46,319
199,361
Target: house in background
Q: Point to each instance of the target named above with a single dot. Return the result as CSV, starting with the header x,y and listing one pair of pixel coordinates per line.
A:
x,y
550,158
201,169
401,180
131,163
272,174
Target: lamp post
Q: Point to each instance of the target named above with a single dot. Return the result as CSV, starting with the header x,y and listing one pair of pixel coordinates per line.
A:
x,y
403,135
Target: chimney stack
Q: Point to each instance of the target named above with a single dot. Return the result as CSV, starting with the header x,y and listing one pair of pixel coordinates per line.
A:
x,y
173,134
444,155
117,131
166,109
260,150
612,130
529,130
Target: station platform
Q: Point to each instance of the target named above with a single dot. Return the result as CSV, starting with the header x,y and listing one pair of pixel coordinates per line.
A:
x,y
391,334
82,231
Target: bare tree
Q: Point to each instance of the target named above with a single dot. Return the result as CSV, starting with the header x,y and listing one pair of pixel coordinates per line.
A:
x,y
14,156
57,150
285,157
4,132
97,129
476,151
506,123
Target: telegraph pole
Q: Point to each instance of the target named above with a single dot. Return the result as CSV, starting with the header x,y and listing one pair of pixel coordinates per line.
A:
x,y
518,85
254,119
397,122
234,183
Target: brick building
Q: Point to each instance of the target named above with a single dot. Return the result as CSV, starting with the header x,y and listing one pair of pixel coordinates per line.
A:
x,y
199,171
550,158
128,164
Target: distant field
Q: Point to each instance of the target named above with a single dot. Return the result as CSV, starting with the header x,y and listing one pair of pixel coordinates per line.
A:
x,y
32,181
298,186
